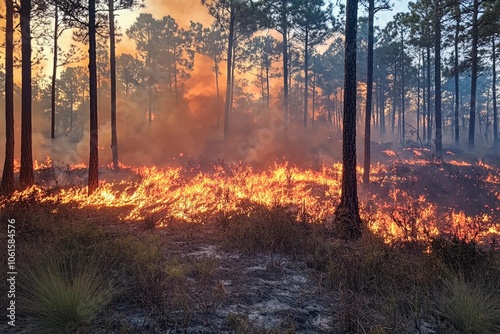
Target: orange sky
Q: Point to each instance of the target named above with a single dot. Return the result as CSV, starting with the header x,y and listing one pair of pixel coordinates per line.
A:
x,y
183,11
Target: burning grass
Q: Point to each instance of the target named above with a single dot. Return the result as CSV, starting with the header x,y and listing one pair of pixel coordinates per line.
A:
x,y
405,202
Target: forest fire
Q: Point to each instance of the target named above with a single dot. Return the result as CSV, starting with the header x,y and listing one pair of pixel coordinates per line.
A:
x,y
241,166
204,195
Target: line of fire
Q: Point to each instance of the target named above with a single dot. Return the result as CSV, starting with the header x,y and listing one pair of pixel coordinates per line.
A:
x,y
250,166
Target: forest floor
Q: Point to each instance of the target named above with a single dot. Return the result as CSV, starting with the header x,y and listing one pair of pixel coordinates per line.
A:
x,y
269,273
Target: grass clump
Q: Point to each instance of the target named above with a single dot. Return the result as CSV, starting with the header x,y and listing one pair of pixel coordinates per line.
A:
x,y
473,309
458,254
67,297
262,229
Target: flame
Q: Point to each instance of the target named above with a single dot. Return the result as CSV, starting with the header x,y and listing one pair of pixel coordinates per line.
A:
x,y
199,195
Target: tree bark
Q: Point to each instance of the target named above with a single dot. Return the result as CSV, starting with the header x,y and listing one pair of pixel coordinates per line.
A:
x,y
284,23
7,186
306,77
403,92
369,92
216,69
394,98
348,221
93,181
474,73
268,93
112,66
418,97
53,91
494,89
229,71
457,80
437,78
429,123
26,176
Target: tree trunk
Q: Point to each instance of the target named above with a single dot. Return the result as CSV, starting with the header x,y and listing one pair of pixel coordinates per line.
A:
x,y
268,93
229,70
306,77
457,82
176,85
53,91
93,182
112,66
429,124
348,221
26,176
150,81
369,92
394,98
474,73
418,97
437,78
284,23
424,100
494,89
313,107
382,110
233,68
403,93
71,104
216,69
8,167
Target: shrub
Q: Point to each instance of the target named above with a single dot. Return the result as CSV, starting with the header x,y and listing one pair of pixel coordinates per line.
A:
x,y
67,297
471,309
263,229
458,254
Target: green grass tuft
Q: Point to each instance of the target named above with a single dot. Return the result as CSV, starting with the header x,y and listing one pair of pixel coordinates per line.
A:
x,y
67,297
471,309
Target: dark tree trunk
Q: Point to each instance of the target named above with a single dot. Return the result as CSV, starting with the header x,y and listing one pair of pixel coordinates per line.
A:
x,y
306,77
429,124
348,221
313,107
150,81
418,97
437,77
8,167
176,85
53,91
494,89
474,73
284,23
394,98
229,71
382,109
268,93
71,105
26,176
457,82
424,99
233,69
369,92
403,92
93,182
112,66
216,69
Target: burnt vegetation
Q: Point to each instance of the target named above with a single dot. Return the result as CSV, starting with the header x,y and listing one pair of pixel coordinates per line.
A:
x,y
201,173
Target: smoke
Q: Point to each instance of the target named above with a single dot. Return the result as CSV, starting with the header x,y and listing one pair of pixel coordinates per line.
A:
x,y
184,11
